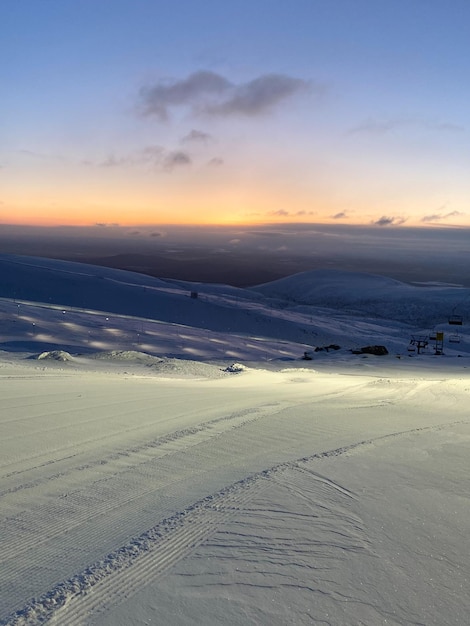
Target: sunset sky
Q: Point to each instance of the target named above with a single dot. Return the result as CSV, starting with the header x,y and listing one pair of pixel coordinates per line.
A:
x,y
140,112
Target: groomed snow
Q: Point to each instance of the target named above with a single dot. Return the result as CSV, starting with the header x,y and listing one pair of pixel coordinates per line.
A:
x,y
173,460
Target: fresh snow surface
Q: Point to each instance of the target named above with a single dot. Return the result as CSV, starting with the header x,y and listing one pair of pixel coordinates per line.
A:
x,y
173,460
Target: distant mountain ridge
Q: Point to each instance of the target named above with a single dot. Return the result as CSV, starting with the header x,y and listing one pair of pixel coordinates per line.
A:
x,y
369,294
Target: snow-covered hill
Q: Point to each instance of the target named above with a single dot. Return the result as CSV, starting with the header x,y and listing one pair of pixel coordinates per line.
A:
x,y
372,296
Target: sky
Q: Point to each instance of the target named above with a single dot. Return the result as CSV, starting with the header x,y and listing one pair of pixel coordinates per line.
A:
x,y
142,112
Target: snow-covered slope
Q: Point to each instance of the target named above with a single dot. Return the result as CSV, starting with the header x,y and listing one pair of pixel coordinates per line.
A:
x,y
50,305
168,459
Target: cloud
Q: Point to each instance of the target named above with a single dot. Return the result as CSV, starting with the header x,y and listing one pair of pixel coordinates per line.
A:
x,y
284,213
258,96
339,216
215,162
157,100
213,94
178,158
197,136
279,213
376,127
38,155
436,217
107,225
114,161
153,156
373,126
447,127
389,221
149,155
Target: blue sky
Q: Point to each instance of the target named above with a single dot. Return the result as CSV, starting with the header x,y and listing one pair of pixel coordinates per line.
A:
x,y
148,112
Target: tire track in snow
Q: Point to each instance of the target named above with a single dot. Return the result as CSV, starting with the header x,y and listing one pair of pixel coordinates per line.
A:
x,y
122,573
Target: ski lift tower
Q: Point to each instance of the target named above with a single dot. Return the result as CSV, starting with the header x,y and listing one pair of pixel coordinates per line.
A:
x,y
439,342
455,320
419,341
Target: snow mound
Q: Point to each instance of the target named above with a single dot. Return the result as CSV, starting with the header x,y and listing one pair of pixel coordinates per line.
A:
x,y
182,369
127,355
55,355
162,366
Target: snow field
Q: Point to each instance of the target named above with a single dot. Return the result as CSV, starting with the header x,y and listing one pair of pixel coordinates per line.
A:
x,y
243,486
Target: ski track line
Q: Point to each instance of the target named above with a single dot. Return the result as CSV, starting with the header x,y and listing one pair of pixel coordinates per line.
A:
x,y
196,528
57,523
256,413
126,413
338,393
131,567
128,569
121,404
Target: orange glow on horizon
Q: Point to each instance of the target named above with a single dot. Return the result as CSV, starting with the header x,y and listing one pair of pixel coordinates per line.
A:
x,y
233,207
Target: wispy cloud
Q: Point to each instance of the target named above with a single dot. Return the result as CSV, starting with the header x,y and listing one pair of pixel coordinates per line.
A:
x,y
300,213
215,162
159,98
279,213
373,126
156,157
150,155
113,161
339,216
175,159
197,136
389,221
258,96
212,94
439,217
284,213
446,127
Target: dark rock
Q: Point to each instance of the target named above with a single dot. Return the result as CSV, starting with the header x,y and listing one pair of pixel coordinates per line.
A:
x,y
377,350
332,346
